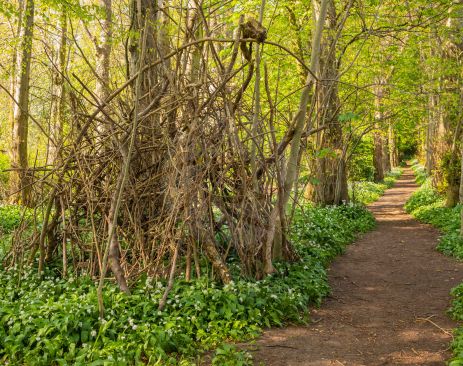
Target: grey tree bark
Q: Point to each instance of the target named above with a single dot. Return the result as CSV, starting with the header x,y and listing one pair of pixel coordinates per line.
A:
x,y
58,102
378,161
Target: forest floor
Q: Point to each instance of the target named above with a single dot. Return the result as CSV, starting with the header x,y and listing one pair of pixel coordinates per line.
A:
x,y
390,293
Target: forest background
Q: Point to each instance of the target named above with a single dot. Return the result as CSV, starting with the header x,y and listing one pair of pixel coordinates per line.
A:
x,y
190,143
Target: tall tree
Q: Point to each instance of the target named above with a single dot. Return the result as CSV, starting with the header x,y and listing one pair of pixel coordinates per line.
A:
x,y
291,167
453,116
378,140
58,97
331,166
19,179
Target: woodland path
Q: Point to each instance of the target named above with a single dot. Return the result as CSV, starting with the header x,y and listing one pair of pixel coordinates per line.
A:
x,y
389,299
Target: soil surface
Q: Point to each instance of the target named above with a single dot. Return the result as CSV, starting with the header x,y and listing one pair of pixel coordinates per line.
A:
x,y
390,293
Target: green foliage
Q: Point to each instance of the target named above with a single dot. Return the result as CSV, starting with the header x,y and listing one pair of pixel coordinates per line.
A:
x,y
348,116
10,218
428,206
228,355
367,192
392,176
7,9
423,197
457,313
323,232
324,153
4,164
360,165
451,167
420,172
56,320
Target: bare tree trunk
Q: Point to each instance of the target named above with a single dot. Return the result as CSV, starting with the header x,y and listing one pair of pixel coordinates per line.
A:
x,y
433,103
430,134
377,136
299,119
453,167
386,155
103,57
144,13
19,178
378,157
255,140
114,255
14,64
58,101
393,155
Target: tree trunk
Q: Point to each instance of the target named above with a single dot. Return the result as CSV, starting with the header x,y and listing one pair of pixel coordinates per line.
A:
x,y
299,119
103,56
19,178
430,134
14,64
330,166
393,155
386,154
378,158
58,101
453,167
378,161
103,62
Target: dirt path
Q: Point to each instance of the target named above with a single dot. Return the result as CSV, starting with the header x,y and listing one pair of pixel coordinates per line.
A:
x,y
384,288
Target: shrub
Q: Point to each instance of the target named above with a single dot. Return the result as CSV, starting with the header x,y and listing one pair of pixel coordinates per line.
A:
x,y
367,192
10,219
323,232
428,206
422,197
457,313
55,320
4,164
420,172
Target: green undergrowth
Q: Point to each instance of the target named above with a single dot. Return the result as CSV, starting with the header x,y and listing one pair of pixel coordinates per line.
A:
x,y
420,172
428,206
11,217
457,313
324,232
54,321
4,165
367,192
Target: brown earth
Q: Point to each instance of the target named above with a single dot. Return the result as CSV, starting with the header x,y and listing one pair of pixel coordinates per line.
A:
x,y
389,299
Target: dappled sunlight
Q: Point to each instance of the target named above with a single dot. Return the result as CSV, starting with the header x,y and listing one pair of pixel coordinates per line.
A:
x,y
389,301
177,176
